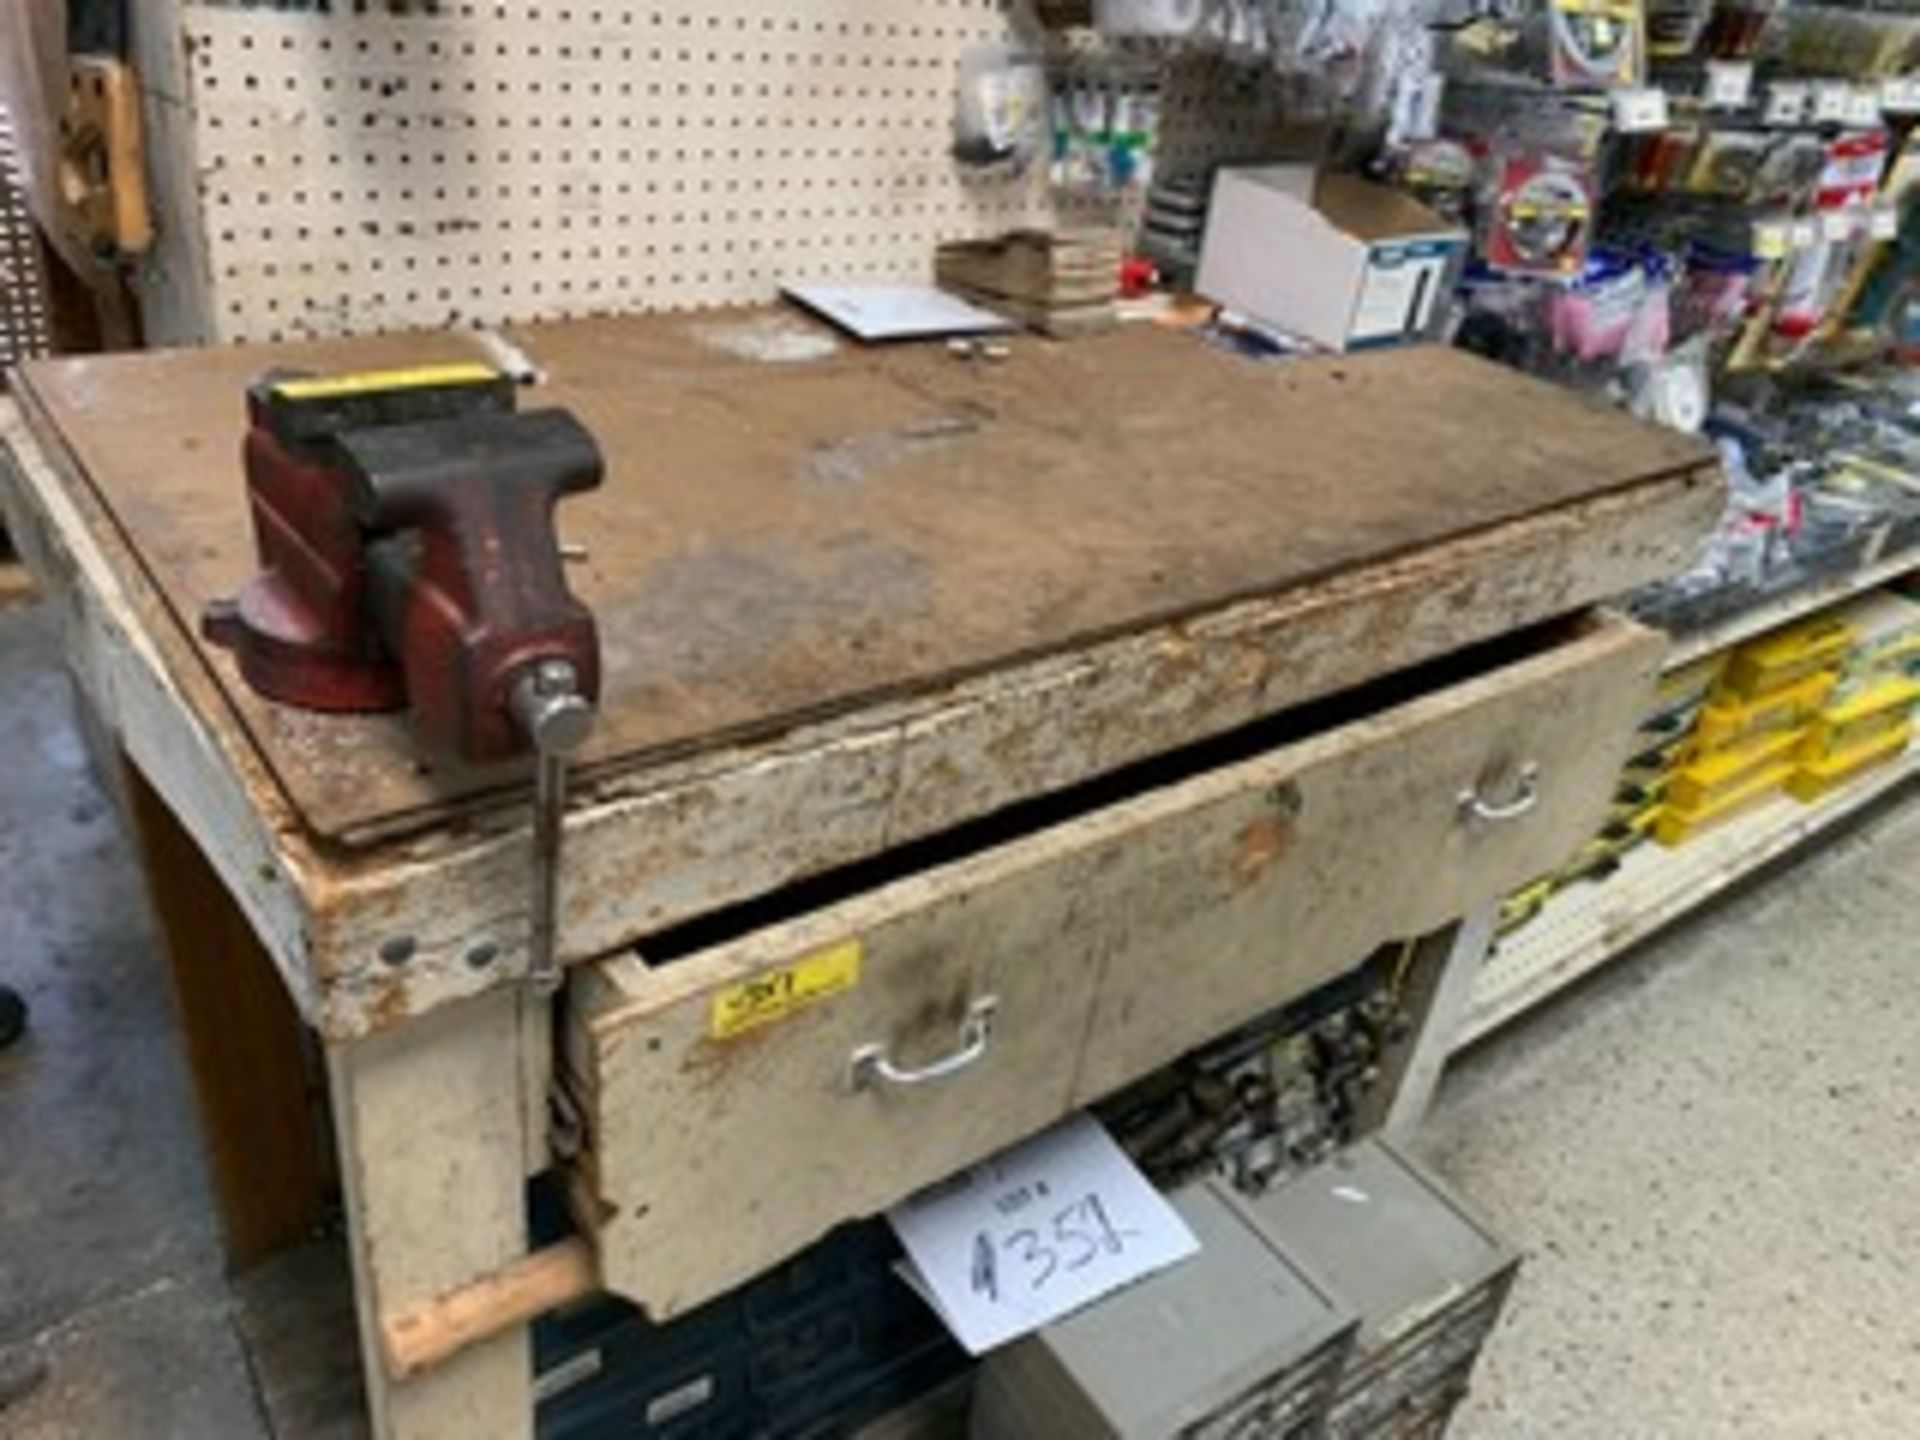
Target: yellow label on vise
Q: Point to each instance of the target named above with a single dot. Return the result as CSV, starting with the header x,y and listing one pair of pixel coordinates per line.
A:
x,y
776,994
368,382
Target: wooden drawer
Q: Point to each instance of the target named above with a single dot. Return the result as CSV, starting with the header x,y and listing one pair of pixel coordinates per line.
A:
x,y
743,1099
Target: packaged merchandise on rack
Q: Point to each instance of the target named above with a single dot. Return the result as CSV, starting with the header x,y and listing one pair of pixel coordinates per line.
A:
x,y
1679,825
1693,209
1596,42
1439,174
1710,779
1845,40
1886,626
1731,719
1863,719
1747,738
1822,477
1538,220
1816,779
1786,657
1736,28
1674,27
1868,716
1804,710
1739,239
1617,309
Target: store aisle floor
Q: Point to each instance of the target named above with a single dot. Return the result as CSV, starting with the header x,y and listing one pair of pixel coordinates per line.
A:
x,y
115,1319
1712,1156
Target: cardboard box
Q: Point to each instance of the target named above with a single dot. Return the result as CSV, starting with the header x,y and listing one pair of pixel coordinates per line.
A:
x,y
1331,258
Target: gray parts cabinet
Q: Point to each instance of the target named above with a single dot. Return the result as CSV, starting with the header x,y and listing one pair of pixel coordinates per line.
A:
x,y
1237,1341
1426,1276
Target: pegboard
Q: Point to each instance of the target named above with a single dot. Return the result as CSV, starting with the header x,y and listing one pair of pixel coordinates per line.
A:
x,y
24,326
481,164
1218,112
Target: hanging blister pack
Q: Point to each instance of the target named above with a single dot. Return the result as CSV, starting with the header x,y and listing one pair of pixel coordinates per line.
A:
x,y
1596,43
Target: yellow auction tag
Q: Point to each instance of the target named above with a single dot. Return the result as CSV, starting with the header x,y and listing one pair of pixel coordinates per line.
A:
x,y
776,994
419,377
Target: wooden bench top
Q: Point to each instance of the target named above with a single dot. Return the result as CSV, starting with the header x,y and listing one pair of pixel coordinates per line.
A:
x,y
782,541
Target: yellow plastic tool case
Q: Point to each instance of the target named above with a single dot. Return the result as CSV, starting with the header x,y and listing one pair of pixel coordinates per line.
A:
x,y
1728,721
1861,718
1704,780
1787,656
1676,825
1821,778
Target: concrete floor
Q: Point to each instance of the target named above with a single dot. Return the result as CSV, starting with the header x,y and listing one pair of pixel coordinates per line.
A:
x,y
110,1285
1711,1154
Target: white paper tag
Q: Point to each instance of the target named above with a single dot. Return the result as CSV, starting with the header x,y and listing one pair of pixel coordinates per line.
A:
x,y
1803,235
1832,102
1839,225
1729,83
1637,109
1900,95
1863,106
1885,223
1771,239
1787,102
1035,1233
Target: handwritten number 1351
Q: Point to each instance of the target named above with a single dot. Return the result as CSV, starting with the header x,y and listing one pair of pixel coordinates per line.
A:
x,y
1078,1235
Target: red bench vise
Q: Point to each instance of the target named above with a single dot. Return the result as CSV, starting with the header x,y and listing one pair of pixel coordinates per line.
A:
x,y
405,527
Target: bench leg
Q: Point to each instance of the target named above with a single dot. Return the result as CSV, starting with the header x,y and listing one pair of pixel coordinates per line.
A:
x,y
254,1073
432,1123
1443,1010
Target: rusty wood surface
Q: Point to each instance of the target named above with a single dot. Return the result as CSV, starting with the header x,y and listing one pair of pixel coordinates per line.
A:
x,y
659,844
782,543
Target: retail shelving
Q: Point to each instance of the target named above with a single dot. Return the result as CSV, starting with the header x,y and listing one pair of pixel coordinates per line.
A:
x,y
1590,922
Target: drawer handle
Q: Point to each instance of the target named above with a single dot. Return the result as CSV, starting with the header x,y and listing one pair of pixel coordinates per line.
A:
x,y
1476,807
871,1066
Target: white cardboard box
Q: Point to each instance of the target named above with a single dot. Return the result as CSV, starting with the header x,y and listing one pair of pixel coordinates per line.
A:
x,y
1332,258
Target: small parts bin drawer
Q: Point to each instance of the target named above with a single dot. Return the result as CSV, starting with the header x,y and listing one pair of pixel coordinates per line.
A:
x,y
741,1100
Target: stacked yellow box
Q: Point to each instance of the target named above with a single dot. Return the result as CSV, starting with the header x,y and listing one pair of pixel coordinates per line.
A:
x,y
1804,709
1747,743
1867,718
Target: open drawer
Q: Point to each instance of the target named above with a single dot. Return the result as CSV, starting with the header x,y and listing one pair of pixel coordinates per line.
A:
x,y
744,1098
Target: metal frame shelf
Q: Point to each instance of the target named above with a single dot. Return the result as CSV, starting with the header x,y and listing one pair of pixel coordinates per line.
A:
x,y
1592,921
1786,608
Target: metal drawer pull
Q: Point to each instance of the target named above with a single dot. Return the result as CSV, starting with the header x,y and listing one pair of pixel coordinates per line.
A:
x,y
870,1065
1475,806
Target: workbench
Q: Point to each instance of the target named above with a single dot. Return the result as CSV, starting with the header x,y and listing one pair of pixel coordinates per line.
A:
x,y
1124,688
